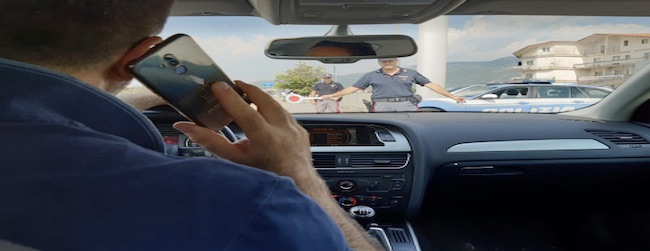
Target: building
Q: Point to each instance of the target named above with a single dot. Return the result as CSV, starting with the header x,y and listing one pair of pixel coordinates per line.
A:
x,y
599,59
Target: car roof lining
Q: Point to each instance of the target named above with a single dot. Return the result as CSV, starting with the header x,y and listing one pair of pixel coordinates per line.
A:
x,y
554,7
212,8
392,11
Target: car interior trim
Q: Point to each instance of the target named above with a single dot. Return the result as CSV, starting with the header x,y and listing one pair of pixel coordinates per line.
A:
x,y
414,236
528,145
381,236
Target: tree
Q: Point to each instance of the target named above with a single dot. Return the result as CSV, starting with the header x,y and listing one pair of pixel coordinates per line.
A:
x,y
300,79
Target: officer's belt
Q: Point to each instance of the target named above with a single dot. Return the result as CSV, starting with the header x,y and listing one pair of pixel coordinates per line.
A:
x,y
395,99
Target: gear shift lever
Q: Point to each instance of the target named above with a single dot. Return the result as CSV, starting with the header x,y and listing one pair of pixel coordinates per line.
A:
x,y
363,214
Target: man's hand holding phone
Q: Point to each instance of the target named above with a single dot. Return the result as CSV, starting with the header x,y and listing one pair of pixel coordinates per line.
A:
x,y
276,142
186,77
180,72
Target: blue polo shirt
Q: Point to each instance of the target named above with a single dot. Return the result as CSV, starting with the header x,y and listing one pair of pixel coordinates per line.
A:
x,y
323,89
81,170
387,86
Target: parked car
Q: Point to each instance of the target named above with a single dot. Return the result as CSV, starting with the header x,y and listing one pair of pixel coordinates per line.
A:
x,y
528,98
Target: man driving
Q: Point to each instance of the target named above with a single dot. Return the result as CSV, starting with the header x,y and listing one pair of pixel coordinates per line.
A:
x,y
81,170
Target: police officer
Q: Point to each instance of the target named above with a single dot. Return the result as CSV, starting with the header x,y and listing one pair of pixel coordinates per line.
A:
x,y
392,87
326,86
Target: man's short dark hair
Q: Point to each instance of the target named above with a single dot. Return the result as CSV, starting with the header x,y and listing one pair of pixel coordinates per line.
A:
x,y
76,33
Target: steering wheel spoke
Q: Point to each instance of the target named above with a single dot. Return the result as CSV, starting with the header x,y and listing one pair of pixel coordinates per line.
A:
x,y
179,145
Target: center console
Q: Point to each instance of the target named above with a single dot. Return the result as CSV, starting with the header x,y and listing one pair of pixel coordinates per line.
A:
x,y
368,166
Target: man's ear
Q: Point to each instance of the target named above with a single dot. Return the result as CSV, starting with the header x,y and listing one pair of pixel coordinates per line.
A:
x,y
118,71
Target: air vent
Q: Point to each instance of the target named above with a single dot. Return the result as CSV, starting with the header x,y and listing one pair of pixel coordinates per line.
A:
x,y
324,160
620,138
362,160
397,235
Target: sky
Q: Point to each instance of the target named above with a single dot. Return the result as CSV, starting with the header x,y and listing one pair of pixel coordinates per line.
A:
x,y
237,43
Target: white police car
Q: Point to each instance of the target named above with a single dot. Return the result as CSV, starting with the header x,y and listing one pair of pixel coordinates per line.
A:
x,y
527,98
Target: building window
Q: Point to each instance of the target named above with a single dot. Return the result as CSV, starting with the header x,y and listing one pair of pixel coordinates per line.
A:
x,y
602,49
598,73
646,55
616,58
596,60
626,42
617,72
529,75
627,56
644,41
530,62
546,49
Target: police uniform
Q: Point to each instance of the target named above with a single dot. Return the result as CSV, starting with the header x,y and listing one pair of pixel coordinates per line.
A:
x,y
329,105
392,93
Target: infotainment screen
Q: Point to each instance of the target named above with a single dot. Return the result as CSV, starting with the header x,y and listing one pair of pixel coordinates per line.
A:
x,y
341,135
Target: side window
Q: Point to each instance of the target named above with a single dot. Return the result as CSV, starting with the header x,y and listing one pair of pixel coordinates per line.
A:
x,y
595,93
553,92
577,93
511,93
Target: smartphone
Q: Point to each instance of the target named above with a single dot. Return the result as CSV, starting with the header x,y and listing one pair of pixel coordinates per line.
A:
x,y
180,72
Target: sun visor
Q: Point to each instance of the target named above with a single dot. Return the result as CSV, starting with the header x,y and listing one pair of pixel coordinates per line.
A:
x,y
352,11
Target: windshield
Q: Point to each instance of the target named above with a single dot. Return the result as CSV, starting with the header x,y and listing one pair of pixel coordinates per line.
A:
x,y
593,54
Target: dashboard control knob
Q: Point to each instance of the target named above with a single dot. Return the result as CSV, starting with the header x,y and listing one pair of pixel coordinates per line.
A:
x,y
347,201
346,185
362,212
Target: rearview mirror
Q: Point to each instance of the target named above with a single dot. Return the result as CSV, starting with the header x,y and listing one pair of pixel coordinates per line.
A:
x,y
342,49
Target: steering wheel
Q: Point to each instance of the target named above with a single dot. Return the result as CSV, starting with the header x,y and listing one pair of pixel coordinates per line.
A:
x,y
165,114
228,133
192,151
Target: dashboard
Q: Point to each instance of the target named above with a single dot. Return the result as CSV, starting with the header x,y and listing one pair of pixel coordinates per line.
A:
x,y
364,164
417,170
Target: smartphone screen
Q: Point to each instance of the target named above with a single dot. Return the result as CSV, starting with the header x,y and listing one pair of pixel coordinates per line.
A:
x,y
181,73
